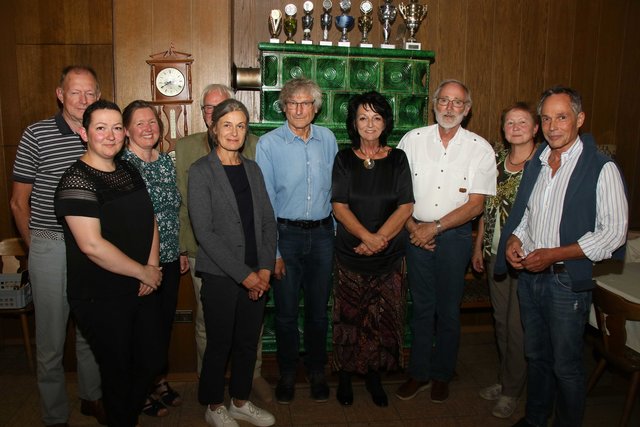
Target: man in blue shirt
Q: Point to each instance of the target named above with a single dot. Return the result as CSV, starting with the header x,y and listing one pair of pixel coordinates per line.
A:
x,y
296,160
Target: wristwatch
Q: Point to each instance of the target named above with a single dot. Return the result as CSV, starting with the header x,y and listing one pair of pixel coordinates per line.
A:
x,y
438,227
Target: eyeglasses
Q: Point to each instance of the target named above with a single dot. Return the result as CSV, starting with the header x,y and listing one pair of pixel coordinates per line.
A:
x,y
293,105
443,102
208,108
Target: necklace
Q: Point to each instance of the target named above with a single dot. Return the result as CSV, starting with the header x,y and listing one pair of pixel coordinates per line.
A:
x,y
526,158
368,162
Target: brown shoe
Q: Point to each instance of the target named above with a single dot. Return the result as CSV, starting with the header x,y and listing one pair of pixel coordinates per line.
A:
x,y
94,408
410,388
439,391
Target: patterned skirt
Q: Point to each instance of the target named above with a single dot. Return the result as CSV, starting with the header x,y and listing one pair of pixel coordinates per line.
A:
x,y
368,321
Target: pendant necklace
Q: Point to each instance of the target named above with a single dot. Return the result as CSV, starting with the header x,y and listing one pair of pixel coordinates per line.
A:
x,y
368,162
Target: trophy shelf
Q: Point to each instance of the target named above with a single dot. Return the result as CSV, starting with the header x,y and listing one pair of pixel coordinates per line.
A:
x,y
401,75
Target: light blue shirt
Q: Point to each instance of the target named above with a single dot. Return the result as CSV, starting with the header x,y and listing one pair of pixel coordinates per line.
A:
x,y
298,173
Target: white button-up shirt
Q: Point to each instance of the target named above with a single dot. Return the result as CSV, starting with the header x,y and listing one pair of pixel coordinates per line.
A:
x,y
443,178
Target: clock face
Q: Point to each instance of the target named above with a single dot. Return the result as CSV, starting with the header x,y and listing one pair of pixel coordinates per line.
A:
x,y
170,81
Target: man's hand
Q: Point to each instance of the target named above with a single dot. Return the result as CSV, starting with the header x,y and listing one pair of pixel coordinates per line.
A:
x,y
279,271
514,252
184,264
423,235
539,260
477,261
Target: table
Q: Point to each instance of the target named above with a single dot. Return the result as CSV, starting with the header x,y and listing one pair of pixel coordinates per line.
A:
x,y
623,280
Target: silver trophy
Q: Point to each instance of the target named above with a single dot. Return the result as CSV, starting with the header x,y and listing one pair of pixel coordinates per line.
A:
x,y
307,22
365,22
345,23
412,14
387,15
325,23
290,22
275,25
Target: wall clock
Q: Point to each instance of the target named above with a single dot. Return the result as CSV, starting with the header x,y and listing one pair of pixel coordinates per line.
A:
x,y
171,93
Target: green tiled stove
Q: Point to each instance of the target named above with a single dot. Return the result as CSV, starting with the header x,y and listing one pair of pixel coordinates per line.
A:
x,y
402,76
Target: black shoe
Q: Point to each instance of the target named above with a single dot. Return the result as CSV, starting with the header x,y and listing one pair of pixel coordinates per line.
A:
x,y
286,389
344,394
319,386
374,387
522,422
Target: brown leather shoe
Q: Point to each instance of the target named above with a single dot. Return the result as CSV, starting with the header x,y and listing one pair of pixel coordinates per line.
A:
x,y
439,391
410,388
94,409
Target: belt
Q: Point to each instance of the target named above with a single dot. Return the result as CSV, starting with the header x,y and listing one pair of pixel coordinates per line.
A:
x,y
554,269
305,224
47,234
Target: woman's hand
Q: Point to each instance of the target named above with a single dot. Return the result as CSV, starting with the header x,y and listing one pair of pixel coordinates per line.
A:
x,y
256,285
375,242
477,262
362,249
151,276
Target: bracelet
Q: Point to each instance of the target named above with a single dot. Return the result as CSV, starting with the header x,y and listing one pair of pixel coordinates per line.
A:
x,y
438,227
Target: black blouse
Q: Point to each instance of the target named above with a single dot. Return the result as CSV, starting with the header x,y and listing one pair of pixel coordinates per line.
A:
x,y
373,195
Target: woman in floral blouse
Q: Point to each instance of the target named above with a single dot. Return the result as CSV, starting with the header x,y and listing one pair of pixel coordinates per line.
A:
x,y
144,131
519,125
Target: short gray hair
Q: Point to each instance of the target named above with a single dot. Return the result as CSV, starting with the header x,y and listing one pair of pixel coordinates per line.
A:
x,y
574,98
464,87
215,87
294,86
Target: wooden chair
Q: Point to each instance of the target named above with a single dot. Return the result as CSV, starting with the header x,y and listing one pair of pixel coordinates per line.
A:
x,y
612,312
15,247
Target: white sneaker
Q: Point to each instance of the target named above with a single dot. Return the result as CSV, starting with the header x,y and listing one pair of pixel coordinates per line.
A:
x,y
493,392
219,417
505,407
252,414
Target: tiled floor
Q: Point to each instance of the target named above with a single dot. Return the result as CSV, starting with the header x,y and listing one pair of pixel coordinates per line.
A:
x,y
476,368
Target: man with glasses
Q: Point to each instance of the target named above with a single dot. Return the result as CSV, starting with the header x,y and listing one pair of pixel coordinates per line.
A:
x,y
296,160
453,170
188,150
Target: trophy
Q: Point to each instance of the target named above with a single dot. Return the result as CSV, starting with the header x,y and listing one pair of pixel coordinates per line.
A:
x,y
345,23
387,15
290,22
307,22
412,15
275,25
365,22
325,23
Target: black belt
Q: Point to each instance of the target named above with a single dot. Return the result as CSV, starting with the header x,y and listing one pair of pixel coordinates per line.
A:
x,y
554,269
305,224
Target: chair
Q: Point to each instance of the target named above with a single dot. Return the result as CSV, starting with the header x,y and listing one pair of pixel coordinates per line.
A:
x,y
15,247
612,312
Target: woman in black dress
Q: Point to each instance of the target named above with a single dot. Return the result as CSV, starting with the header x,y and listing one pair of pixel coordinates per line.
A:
x,y
372,198
112,263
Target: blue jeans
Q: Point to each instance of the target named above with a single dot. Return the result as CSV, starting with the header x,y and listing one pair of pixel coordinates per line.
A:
x,y
436,282
554,318
308,260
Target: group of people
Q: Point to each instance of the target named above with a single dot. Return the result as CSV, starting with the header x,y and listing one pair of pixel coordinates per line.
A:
x,y
112,224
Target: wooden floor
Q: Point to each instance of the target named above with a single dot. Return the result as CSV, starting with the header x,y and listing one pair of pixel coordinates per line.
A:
x,y
19,404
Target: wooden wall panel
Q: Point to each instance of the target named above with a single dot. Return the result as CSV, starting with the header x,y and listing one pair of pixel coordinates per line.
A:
x,y
560,34
533,16
609,54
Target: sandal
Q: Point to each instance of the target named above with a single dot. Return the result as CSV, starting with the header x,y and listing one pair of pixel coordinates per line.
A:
x,y
154,408
167,395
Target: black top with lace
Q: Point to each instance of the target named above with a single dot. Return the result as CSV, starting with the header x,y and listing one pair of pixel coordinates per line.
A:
x,y
119,199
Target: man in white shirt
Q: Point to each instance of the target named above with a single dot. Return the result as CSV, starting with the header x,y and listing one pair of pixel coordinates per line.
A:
x,y
571,211
453,170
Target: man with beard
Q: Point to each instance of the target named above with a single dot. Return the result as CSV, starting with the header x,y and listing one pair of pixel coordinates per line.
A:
x,y
453,170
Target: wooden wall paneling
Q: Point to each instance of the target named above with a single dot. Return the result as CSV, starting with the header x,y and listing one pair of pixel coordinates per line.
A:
x,y
505,59
532,51
211,50
10,128
63,21
585,55
451,26
627,123
478,64
560,31
609,54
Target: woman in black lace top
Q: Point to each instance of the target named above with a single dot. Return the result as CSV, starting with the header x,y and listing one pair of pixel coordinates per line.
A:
x,y
112,263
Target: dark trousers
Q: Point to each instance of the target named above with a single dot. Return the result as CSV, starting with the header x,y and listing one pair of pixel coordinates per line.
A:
x,y
233,324
308,260
168,295
436,281
125,338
